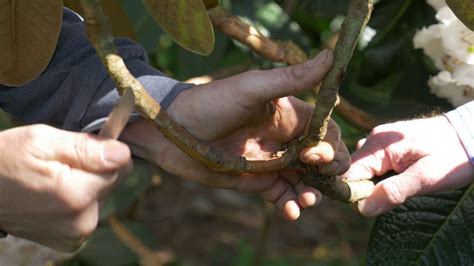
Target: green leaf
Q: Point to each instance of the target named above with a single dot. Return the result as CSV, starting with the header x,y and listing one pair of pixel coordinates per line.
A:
x,y
29,31
129,189
427,230
464,10
186,21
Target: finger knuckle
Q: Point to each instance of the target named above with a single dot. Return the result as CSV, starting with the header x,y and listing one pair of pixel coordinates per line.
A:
x,y
76,201
84,228
393,193
82,149
292,73
73,197
36,135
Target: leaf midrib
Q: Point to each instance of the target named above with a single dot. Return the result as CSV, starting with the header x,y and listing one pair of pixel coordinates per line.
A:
x,y
448,218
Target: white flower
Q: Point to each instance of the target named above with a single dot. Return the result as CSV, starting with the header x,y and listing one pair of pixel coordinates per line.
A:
x,y
450,44
429,39
367,36
464,75
445,86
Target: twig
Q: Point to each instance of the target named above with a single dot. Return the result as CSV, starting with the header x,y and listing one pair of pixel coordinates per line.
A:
x,y
357,17
147,256
356,116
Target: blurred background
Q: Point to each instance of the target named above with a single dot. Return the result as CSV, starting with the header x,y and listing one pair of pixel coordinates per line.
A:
x,y
183,223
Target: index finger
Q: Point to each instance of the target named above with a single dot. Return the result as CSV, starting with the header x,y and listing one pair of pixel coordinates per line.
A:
x,y
370,160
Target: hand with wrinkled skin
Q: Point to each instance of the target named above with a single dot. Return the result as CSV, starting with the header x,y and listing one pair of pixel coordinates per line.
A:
x,y
251,115
51,182
426,153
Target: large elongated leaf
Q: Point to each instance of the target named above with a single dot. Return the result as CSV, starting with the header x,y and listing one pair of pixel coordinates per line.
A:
x,y
29,31
464,10
428,230
186,21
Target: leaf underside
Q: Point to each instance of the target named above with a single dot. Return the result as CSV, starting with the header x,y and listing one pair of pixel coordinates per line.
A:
x,y
186,21
29,31
464,10
427,230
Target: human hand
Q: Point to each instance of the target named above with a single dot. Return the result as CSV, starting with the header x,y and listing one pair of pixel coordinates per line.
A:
x,y
426,153
249,115
51,181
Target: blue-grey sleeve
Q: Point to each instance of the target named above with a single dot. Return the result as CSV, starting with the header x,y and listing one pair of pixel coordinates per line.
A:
x,y
75,92
462,120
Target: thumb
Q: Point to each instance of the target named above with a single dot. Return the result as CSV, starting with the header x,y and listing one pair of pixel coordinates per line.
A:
x,y
264,86
89,152
394,191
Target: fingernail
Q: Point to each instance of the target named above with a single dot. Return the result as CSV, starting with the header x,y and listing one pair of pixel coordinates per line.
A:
x,y
320,59
292,210
315,158
368,208
116,153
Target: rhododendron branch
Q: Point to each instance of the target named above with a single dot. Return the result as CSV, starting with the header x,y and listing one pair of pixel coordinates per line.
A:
x,y
357,18
101,37
148,256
